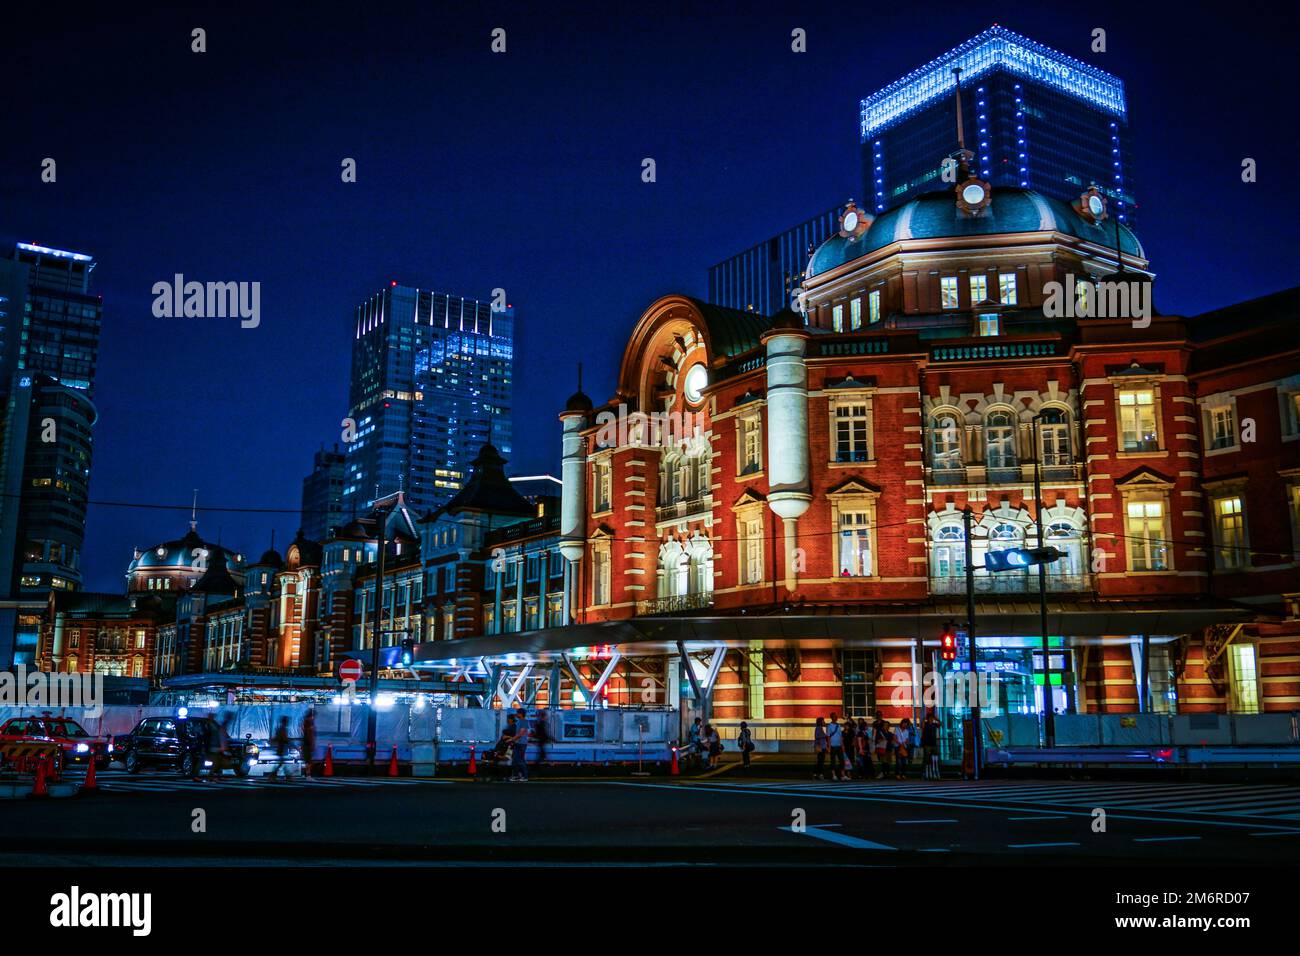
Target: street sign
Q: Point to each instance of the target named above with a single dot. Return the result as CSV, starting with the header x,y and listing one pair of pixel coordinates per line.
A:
x,y
350,670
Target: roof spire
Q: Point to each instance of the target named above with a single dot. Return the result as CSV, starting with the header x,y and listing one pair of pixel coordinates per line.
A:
x,y
1119,249
964,156
194,512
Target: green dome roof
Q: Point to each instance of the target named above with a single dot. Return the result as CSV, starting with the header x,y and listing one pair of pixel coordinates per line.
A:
x,y
934,216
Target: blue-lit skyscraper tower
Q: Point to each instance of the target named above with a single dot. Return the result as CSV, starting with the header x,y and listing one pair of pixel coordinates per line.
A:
x,y
431,382
1033,117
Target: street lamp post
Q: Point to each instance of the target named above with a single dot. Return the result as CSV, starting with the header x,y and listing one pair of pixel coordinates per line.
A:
x,y
1049,721
967,521
377,631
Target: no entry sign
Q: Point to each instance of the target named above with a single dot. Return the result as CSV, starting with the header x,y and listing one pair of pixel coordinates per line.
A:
x,y
350,670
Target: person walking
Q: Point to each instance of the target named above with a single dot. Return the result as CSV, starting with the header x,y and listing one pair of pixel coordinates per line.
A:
x,y
745,744
280,740
308,740
835,746
819,747
880,734
930,745
902,747
850,731
714,744
200,742
519,751
695,741
542,735
863,737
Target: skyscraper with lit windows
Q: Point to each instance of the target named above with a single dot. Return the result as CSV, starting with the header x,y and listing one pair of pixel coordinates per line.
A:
x,y
431,382
1033,117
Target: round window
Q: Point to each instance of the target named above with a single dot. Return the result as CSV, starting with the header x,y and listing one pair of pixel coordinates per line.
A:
x,y
973,194
697,380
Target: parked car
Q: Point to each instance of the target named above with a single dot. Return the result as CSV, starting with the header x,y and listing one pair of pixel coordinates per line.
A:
x,y
165,742
75,745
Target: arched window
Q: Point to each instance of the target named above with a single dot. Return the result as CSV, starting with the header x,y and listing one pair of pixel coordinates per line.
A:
x,y
1065,537
1000,440
949,557
1054,437
945,441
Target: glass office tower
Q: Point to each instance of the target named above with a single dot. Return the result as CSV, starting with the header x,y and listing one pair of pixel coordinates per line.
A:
x,y
1033,117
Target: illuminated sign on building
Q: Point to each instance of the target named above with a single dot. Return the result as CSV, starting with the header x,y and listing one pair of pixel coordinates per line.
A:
x,y
995,47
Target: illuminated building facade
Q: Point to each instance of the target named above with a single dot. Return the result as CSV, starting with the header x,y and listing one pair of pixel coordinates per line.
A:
x,y
322,494
431,382
763,277
1033,118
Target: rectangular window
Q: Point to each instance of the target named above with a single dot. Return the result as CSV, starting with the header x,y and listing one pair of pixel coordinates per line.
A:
x,y
1245,679
754,694
1007,288
855,313
855,545
990,325
555,610
600,573
1145,528
449,623
873,307
1082,293
1137,420
979,289
858,682
1163,681
1230,532
751,535
751,445
1222,427
531,608
851,432
534,567
603,485
837,318
948,297
509,618
489,620
139,640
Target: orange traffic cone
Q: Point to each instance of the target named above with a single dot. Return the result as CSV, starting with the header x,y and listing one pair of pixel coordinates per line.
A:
x,y
392,764
676,770
39,789
89,783
473,765
329,762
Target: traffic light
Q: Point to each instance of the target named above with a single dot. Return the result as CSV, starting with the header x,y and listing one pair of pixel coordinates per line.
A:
x,y
948,643
408,652
1014,559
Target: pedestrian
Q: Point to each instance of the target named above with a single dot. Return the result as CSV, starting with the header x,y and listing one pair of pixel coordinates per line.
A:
x,y
694,741
880,734
930,745
501,749
280,741
200,741
308,740
850,744
745,744
835,746
519,752
819,747
542,734
863,737
714,743
902,747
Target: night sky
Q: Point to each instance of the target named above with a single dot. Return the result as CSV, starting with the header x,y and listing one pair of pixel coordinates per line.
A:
x,y
521,171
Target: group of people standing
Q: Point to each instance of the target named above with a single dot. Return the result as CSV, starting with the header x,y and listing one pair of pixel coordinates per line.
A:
x,y
515,739
845,748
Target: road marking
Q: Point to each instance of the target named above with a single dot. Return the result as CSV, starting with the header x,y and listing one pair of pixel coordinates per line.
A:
x,y
1040,817
1163,839
842,839
925,821
1277,833
1030,846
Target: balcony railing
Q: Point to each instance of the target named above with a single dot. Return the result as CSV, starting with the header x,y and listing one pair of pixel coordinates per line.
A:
x,y
1012,583
675,603
980,474
683,508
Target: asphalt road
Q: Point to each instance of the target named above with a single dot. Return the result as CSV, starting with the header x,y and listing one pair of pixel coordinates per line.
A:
x,y
150,820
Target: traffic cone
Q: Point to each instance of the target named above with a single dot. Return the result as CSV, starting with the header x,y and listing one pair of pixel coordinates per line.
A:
x,y
39,789
329,761
473,765
675,770
392,763
89,783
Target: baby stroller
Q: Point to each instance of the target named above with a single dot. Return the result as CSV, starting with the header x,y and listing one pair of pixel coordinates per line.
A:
x,y
497,760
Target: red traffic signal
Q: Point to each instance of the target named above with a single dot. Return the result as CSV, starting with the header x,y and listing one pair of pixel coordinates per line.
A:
x,y
948,643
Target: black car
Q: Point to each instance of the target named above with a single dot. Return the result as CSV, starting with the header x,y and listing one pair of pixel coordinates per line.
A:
x,y
169,742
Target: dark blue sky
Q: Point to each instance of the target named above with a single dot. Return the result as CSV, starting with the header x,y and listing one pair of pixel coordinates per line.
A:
x,y
522,171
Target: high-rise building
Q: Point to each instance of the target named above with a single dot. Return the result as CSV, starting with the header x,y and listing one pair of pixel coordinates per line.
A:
x,y
761,278
431,383
1033,118
322,494
49,349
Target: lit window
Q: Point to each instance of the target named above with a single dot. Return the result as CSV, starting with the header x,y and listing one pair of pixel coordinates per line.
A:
x,y
1054,437
979,289
751,445
855,313
1145,529
873,307
990,325
1245,679
949,557
855,545
851,432
751,534
1222,427
1082,291
1007,288
600,576
1230,532
1137,420
1000,440
945,442
948,292
837,318
603,485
